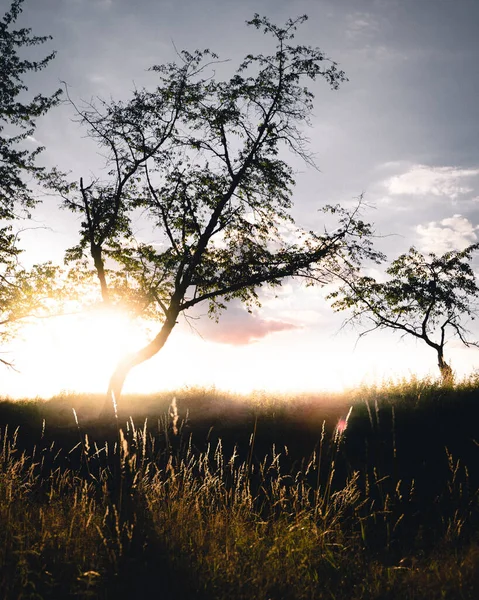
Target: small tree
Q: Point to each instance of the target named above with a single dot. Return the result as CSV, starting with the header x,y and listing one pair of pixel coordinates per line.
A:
x,y
425,297
203,160
22,292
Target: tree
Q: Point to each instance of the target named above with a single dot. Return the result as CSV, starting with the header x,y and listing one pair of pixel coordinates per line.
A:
x,y
202,159
425,297
22,292
16,160
26,294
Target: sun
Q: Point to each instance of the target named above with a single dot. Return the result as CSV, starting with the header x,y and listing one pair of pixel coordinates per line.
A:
x,y
75,352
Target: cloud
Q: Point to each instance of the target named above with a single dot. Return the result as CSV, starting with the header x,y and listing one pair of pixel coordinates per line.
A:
x,y
96,3
238,327
365,32
421,180
95,78
361,24
453,233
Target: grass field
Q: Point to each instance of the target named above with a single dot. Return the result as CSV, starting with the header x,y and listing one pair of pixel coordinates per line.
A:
x,y
368,494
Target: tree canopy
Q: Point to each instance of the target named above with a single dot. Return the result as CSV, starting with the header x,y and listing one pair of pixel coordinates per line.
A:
x,y
204,160
18,116
425,297
22,292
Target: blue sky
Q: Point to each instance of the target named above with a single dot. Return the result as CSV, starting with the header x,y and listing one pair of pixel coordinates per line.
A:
x,y
404,131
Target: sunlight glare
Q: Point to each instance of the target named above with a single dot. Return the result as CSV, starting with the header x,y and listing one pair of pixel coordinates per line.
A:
x,y
75,352
79,353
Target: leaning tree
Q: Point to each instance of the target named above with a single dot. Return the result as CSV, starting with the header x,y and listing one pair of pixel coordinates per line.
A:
x,y
424,296
22,292
204,160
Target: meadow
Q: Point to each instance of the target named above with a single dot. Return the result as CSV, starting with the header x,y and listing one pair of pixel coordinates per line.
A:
x,y
367,494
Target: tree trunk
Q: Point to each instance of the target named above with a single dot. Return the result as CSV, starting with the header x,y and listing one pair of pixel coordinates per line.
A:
x,y
447,375
96,252
117,380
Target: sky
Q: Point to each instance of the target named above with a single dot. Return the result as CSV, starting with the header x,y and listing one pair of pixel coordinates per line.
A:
x,y
404,131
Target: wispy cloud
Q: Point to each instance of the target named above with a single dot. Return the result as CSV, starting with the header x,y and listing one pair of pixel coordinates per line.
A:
x,y
453,233
95,78
421,180
104,3
361,24
96,3
365,32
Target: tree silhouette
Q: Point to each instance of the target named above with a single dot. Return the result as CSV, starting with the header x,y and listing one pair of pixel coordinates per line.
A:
x,y
424,297
16,160
203,160
22,292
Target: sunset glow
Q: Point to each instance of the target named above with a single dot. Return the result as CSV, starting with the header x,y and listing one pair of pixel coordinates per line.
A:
x,y
239,299
79,353
72,353
378,133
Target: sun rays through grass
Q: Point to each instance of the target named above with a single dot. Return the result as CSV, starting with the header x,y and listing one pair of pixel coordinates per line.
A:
x,y
373,496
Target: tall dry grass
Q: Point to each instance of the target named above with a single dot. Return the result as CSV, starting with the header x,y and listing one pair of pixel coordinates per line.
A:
x,y
149,513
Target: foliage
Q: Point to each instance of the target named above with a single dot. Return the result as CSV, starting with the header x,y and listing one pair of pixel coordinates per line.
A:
x,y
424,297
27,294
16,160
203,160
22,292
